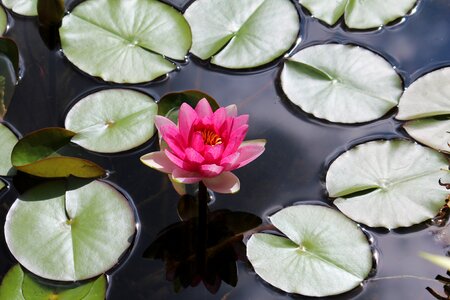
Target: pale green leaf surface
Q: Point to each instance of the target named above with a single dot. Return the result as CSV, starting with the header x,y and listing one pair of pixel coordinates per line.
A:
x,y
22,7
7,141
431,132
112,120
442,261
341,83
125,41
428,97
324,253
3,21
71,235
359,14
399,181
242,33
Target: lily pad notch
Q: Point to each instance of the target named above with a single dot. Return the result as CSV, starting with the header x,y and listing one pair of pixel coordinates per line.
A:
x,y
341,83
98,38
322,252
240,34
70,233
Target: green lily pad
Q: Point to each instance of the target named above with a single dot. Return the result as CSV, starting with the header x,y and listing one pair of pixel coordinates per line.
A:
x,y
19,285
71,233
323,253
22,7
125,41
38,154
2,185
242,33
169,103
112,121
7,139
359,14
426,105
3,21
341,83
389,183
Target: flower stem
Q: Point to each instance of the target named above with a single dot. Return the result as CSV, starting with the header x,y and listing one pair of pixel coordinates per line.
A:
x,y
202,224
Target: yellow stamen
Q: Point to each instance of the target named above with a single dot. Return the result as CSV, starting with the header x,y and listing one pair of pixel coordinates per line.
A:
x,y
210,137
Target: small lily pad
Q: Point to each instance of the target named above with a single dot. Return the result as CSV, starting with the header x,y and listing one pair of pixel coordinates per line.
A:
x,y
38,154
125,41
112,120
359,14
389,183
22,7
7,139
324,253
19,285
341,83
426,106
242,33
3,21
69,233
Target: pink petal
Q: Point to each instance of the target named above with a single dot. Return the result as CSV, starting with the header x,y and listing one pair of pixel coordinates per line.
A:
x,y
211,170
158,161
203,108
219,118
225,183
213,153
231,110
174,142
239,121
186,177
230,162
163,124
193,156
186,118
249,151
235,140
175,159
197,142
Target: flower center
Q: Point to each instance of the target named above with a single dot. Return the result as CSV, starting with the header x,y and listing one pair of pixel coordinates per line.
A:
x,y
210,137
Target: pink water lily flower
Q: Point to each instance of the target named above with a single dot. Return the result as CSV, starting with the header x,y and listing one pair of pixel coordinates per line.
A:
x,y
205,146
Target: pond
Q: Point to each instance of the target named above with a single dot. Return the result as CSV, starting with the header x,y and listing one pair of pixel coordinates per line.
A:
x,y
291,171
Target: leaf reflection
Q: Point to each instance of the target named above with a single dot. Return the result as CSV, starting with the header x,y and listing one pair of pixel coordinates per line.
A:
x,y
188,262
446,282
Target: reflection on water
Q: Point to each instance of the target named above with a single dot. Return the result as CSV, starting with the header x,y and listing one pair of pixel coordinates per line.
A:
x,y
292,169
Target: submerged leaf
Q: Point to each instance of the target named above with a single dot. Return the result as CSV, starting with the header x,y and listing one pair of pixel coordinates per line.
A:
x,y
426,105
20,285
359,14
7,141
22,7
3,21
38,154
69,233
112,120
242,33
125,41
323,253
389,183
169,103
341,83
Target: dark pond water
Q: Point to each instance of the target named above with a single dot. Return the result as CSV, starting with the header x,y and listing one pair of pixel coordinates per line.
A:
x,y
291,170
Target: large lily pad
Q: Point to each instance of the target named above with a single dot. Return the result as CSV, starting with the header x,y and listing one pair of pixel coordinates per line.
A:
x,y
112,120
19,285
69,233
7,139
22,7
39,154
341,83
125,41
359,14
426,105
323,253
389,183
242,33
